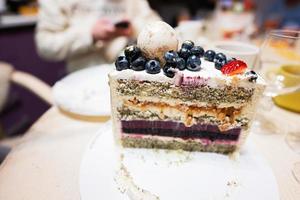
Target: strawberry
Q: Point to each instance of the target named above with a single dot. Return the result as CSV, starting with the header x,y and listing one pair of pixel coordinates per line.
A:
x,y
234,67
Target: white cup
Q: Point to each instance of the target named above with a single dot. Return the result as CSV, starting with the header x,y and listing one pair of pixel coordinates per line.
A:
x,y
5,73
239,50
190,30
2,5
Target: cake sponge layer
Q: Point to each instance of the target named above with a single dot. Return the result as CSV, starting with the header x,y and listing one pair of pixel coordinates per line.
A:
x,y
188,145
204,93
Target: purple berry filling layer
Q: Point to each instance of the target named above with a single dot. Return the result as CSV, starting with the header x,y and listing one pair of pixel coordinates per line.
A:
x,y
178,129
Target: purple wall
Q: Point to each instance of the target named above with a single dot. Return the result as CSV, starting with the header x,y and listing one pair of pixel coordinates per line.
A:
x,y
23,108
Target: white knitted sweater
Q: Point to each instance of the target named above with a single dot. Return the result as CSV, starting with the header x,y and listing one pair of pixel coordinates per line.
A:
x,y
64,29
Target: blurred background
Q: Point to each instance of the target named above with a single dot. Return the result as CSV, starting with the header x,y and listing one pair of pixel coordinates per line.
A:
x,y
204,21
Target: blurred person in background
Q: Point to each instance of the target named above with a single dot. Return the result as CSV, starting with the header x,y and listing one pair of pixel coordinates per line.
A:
x,y
275,14
89,32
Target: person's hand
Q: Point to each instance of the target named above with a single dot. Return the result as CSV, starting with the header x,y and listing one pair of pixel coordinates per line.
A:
x,y
128,32
105,30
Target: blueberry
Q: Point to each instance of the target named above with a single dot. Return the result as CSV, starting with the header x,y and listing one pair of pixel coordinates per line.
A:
x,y
188,44
220,60
252,76
193,63
152,67
132,52
170,56
220,57
122,63
180,63
197,51
184,53
219,64
169,70
138,64
209,55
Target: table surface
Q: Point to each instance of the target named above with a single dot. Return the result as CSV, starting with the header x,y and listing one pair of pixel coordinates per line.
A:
x,y
45,165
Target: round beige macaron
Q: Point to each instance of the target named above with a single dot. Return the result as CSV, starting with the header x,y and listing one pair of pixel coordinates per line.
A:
x,y
156,39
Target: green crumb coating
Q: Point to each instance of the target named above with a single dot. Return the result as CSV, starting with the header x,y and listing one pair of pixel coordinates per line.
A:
x,y
205,93
188,145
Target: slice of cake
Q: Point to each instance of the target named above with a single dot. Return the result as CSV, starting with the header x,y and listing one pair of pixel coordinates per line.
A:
x,y
187,98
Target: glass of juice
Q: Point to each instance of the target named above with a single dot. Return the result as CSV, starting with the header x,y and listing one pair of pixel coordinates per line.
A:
x,y
280,67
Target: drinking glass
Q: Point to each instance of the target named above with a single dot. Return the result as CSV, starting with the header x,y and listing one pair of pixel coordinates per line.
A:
x,y
280,67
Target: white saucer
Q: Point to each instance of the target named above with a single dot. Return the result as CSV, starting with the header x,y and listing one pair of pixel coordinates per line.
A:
x,y
172,175
85,92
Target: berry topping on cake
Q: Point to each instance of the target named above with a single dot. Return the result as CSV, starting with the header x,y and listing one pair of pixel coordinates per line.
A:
x,y
138,64
234,67
219,64
169,70
122,63
219,60
184,53
152,67
180,63
155,53
252,76
197,51
220,57
209,55
193,63
170,56
188,44
132,52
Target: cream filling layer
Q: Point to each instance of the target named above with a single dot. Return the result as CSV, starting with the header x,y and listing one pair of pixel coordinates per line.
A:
x,y
174,102
189,115
247,110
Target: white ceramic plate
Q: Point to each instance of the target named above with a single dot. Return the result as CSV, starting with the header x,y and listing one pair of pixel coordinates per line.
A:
x,y
85,92
172,175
